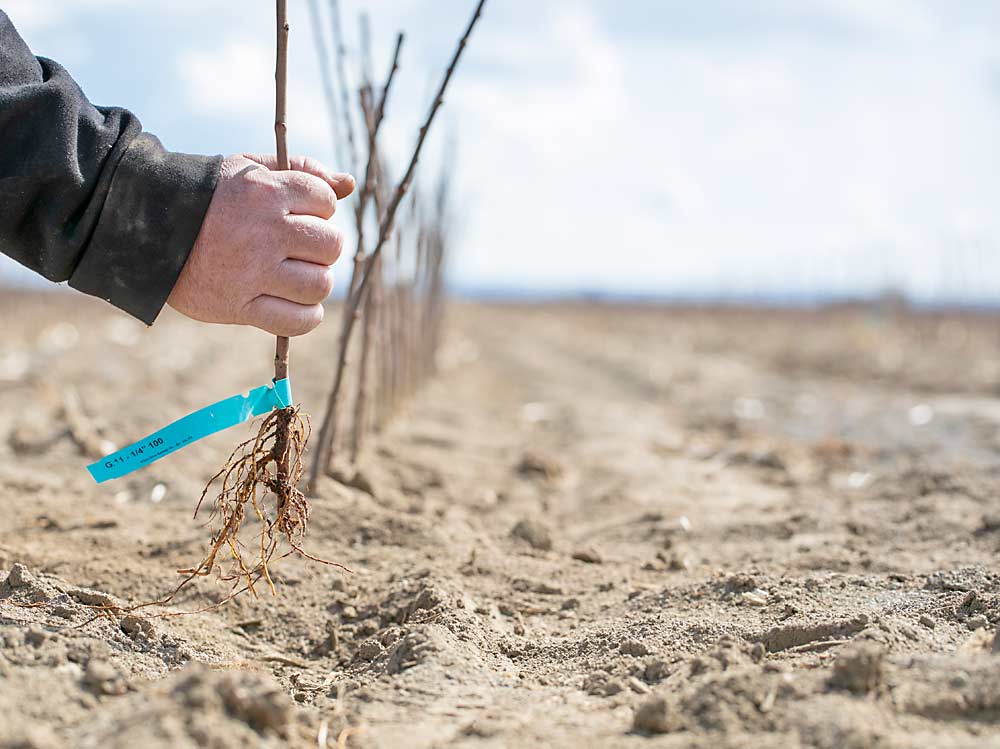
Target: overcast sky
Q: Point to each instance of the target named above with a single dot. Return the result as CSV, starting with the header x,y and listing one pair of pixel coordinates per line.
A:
x,y
623,145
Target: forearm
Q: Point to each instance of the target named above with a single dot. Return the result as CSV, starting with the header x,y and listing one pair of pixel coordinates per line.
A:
x,y
85,196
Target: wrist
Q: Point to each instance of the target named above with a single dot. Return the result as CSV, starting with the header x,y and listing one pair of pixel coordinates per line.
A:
x,y
149,223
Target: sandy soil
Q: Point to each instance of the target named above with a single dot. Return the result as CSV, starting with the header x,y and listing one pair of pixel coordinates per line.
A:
x,y
597,527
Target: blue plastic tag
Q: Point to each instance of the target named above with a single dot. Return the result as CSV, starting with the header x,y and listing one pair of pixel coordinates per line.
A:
x,y
191,428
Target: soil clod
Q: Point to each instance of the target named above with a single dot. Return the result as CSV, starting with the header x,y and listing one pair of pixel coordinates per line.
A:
x,y
652,716
859,668
534,532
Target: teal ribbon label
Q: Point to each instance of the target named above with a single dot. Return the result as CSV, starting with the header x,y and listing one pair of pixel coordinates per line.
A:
x,y
191,428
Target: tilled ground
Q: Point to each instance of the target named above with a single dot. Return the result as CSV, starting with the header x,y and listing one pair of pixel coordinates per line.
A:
x,y
598,526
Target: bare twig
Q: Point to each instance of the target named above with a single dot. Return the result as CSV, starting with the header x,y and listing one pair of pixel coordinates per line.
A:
x,y
326,74
352,304
363,391
387,350
371,192
385,228
338,42
281,85
373,121
380,109
281,143
366,51
279,658
80,428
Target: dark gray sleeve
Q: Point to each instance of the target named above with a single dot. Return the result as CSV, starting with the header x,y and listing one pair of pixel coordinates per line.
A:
x,y
85,195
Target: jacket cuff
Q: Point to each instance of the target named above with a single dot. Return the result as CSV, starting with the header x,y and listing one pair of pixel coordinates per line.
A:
x,y
149,223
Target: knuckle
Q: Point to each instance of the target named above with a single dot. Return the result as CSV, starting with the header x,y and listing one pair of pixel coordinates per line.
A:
x,y
316,192
313,290
317,315
308,319
293,182
290,183
311,165
254,314
336,244
326,283
301,180
326,197
265,187
287,325
320,292
322,242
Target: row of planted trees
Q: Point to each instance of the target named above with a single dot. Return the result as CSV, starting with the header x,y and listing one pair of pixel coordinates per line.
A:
x,y
393,309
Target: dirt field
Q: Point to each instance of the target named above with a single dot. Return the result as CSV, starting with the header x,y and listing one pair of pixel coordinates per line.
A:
x,y
597,527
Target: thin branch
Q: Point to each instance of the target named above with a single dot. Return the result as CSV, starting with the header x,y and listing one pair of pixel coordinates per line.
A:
x,y
363,390
380,110
325,69
371,191
387,221
352,304
373,121
366,50
338,42
328,429
281,142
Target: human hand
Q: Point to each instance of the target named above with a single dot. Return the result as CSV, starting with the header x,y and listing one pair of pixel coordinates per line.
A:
x,y
265,248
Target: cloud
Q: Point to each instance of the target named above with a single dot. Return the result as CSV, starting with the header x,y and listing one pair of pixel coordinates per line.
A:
x,y
660,144
33,15
226,81
233,82
672,162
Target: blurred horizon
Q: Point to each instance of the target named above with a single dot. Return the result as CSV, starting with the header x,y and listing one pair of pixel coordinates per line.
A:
x,y
18,280
776,150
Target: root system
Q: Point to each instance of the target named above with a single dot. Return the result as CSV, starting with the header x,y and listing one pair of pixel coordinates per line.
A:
x,y
260,480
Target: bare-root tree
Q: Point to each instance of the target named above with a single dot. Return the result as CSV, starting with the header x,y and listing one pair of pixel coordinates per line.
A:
x,y
260,480
397,296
